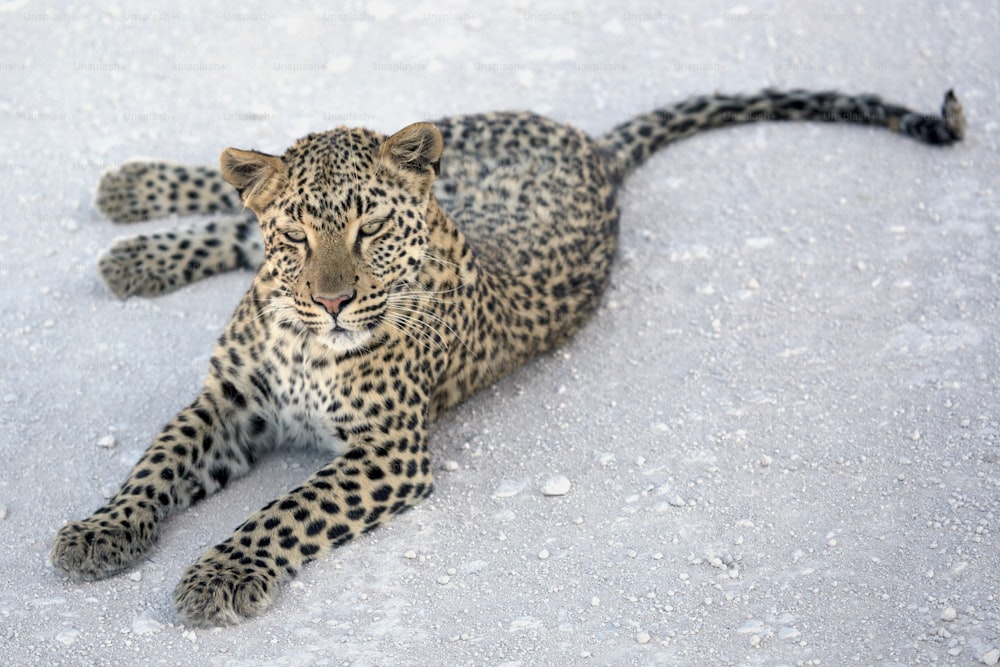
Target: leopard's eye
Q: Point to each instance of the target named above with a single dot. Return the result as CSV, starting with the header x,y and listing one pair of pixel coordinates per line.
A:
x,y
296,236
372,227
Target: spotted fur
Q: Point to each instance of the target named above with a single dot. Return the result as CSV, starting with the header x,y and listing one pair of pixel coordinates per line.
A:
x,y
399,275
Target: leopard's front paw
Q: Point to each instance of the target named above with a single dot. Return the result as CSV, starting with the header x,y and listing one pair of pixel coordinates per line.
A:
x,y
98,548
220,591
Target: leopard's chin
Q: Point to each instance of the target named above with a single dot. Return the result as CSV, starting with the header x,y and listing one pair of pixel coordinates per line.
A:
x,y
345,341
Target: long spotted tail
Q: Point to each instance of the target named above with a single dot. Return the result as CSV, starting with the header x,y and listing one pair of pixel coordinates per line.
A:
x,y
631,143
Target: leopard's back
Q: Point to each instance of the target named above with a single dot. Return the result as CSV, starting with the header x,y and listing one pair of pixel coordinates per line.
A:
x,y
532,198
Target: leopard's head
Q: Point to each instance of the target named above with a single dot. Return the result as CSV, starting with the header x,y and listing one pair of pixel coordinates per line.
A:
x,y
344,218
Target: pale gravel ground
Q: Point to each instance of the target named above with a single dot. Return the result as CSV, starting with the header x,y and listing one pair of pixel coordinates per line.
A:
x,y
781,430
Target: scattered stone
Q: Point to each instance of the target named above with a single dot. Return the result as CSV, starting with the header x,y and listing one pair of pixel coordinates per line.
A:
x,y
595,601
752,626
146,625
643,637
543,554
991,657
949,614
67,637
449,466
444,579
3,512
677,501
107,442
411,554
510,487
556,486
135,576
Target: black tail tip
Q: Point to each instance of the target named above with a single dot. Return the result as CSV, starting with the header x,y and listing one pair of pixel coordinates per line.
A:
x,y
954,117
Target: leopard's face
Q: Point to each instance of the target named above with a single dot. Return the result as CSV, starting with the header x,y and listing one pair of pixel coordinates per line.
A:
x,y
345,229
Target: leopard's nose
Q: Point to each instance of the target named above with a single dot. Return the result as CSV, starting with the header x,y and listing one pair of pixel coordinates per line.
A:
x,y
333,304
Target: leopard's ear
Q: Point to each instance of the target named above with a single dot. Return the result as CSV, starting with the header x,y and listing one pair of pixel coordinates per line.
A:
x,y
416,149
258,177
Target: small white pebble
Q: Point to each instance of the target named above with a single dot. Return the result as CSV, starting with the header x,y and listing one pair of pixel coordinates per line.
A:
x,y
991,657
449,466
765,461
3,512
107,442
67,637
643,637
752,284
509,488
556,486
755,641
677,501
915,435
411,554
135,576
584,654
190,636
595,601
640,461
543,554
831,542
949,614
444,579
658,556
146,625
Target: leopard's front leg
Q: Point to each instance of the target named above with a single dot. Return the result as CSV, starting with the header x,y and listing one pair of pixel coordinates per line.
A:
x,y
239,578
202,448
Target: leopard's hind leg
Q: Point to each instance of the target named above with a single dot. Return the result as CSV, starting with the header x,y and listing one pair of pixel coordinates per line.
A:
x,y
145,190
154,264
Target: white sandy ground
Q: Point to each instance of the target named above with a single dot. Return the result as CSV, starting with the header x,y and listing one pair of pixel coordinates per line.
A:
x,y
780,431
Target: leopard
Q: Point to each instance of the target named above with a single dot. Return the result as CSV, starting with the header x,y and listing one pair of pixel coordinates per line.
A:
x,y
396,275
